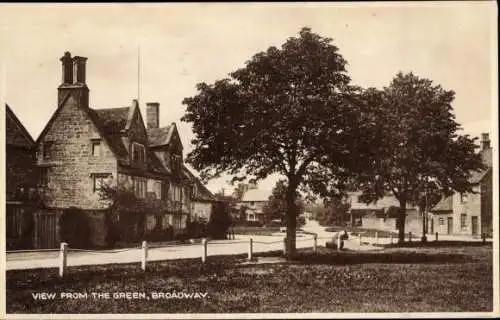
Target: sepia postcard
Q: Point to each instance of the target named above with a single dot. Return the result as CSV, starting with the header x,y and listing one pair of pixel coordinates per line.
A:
x,y
249,160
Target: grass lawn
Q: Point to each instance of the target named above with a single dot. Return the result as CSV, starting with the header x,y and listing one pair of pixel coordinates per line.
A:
x,y
425,279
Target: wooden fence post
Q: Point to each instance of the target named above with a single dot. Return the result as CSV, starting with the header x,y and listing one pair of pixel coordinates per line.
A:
x,y
250,249
436,236
339,241
204,250
315,243
144,256
391,239
376,237
63,256
409,236
359,239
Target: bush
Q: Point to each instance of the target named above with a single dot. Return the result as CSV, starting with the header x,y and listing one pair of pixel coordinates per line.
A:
x,y
196,228
74,228
219,222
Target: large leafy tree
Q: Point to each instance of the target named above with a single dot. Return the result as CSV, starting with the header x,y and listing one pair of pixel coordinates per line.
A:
x,y
276,206
414,144
288,111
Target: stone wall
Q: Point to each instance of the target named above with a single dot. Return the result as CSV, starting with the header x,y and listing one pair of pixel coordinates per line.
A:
x,y
71,163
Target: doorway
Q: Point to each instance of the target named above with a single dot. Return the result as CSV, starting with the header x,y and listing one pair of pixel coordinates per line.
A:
x,y
474,226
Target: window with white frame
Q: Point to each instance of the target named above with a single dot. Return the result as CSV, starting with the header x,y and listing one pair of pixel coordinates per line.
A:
x,y
138,153
99,180
140,187
176,193
441,221
463,221
96,148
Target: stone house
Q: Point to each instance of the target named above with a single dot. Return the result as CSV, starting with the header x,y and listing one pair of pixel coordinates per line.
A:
x,y
383,214
253,202
20,182
202,200
468,213
82,148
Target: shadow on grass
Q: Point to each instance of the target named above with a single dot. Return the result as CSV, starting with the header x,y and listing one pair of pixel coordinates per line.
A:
x,y
436,244
183,268
356,257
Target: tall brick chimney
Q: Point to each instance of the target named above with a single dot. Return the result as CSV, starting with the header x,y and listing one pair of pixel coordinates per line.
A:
x,y
485,141
73,80
67,68
79,70
152,114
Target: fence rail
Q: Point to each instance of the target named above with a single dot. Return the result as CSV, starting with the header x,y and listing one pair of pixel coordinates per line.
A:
x,y
145,247
143,250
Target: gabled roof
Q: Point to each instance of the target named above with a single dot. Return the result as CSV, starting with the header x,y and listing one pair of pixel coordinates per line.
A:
x,y
477,176
446,204
256,195
160,136
112,123
203,194
113,120
15,132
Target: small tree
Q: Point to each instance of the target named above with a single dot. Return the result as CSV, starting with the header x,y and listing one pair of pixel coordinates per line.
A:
x,y
220,221
127,213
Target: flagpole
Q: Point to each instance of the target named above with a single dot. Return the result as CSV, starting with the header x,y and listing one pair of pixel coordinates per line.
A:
x,y
139,74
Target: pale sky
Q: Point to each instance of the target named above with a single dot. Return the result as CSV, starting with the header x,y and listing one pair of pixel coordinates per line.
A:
x,y
453,44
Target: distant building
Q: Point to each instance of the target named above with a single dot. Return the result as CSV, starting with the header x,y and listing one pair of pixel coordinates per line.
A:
x,y
203,202
383,214
253,202
468,213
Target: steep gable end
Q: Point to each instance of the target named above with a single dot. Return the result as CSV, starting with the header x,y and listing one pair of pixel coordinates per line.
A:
x,y
135,127
175,140
16,134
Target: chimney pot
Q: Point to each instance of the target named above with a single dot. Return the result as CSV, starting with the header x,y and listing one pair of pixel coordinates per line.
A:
x,y
79,69
73,80
67,68
152,114
485,141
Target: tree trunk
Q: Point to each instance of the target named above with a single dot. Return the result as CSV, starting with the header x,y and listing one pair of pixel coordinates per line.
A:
x,y
401,220
291,224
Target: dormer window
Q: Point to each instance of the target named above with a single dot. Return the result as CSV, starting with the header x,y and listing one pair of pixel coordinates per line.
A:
x,y
176,162
138,153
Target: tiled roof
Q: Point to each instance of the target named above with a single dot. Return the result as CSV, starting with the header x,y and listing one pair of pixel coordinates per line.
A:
x,y
446,204
160,136
477,176
256,195
382,203
203,194
112,120
15,133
